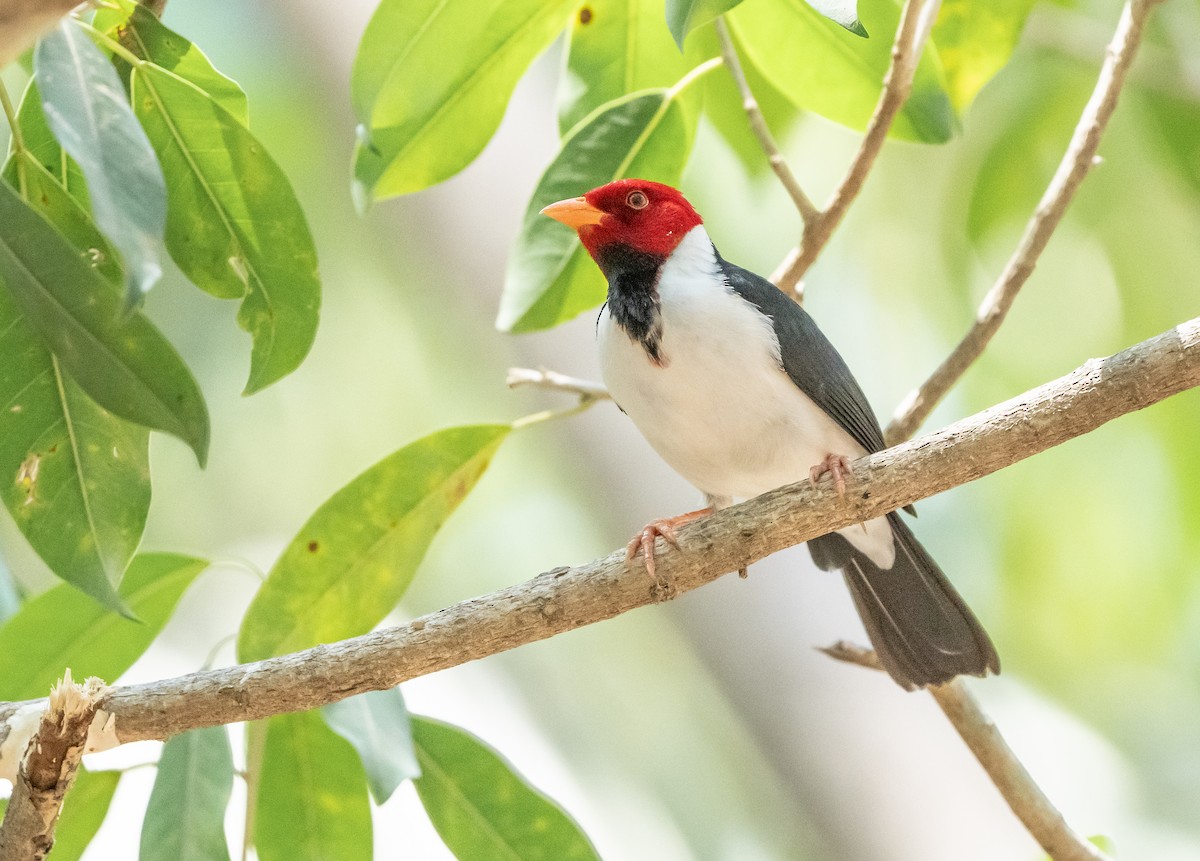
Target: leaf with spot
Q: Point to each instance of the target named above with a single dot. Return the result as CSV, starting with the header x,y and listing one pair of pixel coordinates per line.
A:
x,y
185,817
63,628
974,41
234,225
352,561
76,477
86,108
377,725
550,278
123,363
140,30
824,69
483,808
431,81
312,794
615,47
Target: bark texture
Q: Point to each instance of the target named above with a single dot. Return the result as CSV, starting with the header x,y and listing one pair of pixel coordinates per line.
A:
x,y
47,770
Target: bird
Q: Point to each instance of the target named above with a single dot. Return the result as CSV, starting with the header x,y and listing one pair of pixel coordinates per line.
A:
x,y
735,387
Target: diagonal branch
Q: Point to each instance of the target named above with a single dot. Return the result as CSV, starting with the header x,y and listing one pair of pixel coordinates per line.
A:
x,y
758,125
47,769
916,22
566,598
1026,799
1076,162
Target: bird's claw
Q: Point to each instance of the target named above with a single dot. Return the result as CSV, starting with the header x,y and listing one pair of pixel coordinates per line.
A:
x,y
643,542
838,467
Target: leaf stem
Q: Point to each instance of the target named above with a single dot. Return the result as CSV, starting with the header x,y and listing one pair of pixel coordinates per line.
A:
x,y
18,140
691,77
110,43
585,401
589,393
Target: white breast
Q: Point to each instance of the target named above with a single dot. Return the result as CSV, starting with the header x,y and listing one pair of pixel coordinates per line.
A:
x,y
721,410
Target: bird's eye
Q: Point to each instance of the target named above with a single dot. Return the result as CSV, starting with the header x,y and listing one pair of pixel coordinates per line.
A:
x,y
637,200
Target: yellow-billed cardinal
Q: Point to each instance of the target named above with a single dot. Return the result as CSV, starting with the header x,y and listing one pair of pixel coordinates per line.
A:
x,y
734,385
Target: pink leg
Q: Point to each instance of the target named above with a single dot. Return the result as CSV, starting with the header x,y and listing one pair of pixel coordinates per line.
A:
x,y
643,542
838,466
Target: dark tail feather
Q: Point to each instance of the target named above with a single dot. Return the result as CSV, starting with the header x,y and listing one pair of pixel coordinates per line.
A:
x,y
922,630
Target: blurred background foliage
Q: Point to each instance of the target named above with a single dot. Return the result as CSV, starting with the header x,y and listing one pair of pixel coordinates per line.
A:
x,y
709,729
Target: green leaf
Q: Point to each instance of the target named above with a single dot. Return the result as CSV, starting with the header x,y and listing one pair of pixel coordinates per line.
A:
x,y
62,628
550,278
822,69
377,725
353,559
234,225
185,818
84,487
684,16
482,807
724,109
974,40
1174,124
85,107
312,794
120,360
616,47
431,81
43,146
83,813
139,30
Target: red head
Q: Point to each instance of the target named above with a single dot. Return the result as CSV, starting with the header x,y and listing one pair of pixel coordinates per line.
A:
x,y
648,217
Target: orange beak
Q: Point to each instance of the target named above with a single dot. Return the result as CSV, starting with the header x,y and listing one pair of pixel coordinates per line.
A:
x,y
574,212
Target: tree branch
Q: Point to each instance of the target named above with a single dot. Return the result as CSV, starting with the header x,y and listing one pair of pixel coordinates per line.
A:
x,y
758,124
1076,162
916,22
1026,799
566,598
47,770
545,379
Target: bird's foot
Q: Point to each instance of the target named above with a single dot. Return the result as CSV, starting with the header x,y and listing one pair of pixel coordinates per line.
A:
x,y
837,466
643,542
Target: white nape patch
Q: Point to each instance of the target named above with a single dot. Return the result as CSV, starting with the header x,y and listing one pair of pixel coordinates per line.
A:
x,y
721,410
22,724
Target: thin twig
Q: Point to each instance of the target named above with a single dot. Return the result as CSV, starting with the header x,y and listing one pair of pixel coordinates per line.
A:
x,y
589,393
758,124
566,598
916,22
48,766
1076,162
1036,812
545,379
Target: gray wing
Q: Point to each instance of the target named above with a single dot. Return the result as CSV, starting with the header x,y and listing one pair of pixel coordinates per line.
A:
x,y
809,359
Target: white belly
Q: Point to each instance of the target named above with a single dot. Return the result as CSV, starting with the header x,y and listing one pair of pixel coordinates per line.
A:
x,y
721,410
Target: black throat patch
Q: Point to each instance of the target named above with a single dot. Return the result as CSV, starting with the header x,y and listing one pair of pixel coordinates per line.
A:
x,y
633,296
